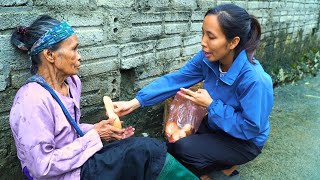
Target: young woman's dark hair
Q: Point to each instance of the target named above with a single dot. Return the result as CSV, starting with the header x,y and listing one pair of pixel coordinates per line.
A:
x,y
24,37
235,21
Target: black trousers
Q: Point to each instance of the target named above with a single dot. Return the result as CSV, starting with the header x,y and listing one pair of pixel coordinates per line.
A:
x,y
135,158
208,150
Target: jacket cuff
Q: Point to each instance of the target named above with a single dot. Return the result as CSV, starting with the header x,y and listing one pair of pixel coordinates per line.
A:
x,y
216,108
140,101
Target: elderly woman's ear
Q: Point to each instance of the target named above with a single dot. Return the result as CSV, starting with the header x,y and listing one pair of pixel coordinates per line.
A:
x,y
48,55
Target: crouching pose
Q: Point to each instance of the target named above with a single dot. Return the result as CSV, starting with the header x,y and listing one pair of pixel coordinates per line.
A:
x,y
237,92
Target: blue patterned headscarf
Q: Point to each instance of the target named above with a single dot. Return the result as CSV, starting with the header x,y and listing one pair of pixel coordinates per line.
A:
x,y
56,34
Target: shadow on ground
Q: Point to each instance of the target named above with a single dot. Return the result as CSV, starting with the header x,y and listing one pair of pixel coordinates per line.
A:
x,y
293,149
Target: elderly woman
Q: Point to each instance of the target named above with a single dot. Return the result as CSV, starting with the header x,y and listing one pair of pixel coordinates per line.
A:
x,y
50,141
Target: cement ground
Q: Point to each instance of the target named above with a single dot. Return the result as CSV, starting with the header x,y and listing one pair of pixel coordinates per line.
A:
x,y
293,149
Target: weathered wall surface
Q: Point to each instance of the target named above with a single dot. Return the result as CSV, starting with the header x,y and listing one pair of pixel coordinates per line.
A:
x,y
126,44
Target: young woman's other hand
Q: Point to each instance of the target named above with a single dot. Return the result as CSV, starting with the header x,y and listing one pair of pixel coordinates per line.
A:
x,y
200,97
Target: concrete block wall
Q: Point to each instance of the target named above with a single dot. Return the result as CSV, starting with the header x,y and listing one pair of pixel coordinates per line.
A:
x,y
136,40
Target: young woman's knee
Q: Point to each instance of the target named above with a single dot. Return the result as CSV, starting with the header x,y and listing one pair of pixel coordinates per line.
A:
x,y
183,147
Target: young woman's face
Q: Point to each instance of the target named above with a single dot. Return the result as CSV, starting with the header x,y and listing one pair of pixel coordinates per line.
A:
x,y
214,42
67,57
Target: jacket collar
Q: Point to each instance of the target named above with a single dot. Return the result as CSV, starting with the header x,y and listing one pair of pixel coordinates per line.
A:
x,y
233,71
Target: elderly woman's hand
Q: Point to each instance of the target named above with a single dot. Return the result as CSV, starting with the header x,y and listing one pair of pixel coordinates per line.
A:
x,y
128,132
107,132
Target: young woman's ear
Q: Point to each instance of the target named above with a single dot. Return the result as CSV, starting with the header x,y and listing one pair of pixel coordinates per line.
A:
x,y
235,41
48,55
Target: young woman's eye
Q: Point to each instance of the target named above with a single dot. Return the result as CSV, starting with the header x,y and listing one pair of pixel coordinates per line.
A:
x,y
211,37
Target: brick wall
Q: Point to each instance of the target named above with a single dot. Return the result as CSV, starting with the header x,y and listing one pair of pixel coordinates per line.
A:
x,y
132,41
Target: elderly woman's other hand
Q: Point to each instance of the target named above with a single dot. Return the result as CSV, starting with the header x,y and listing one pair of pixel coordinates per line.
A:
x,y
128,132
108,132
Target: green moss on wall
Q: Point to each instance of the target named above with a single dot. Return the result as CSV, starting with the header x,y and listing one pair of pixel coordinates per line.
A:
x,y
288,60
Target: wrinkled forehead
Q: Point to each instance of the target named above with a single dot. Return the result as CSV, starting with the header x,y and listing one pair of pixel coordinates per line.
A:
x,y
71,41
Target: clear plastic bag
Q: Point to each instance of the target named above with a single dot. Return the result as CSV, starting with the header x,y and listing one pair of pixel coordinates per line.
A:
x,y
184,118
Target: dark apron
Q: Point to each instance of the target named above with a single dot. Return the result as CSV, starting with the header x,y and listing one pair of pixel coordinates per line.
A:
x,y
135,158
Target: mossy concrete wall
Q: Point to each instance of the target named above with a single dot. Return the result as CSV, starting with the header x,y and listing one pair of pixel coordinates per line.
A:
x,y
126,44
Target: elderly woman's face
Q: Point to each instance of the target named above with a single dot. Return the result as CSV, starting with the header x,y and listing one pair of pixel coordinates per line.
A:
x,y
67,56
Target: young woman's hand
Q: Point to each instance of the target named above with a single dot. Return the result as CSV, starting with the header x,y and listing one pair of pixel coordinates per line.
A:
x,y
122,108
200,97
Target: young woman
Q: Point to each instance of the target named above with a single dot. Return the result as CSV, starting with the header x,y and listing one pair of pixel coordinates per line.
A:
x,y
237,92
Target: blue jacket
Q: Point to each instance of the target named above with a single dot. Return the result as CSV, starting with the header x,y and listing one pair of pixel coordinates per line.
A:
x,y
242,98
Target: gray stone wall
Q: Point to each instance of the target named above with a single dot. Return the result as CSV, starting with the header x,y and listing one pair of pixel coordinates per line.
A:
x,y
126,44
